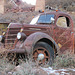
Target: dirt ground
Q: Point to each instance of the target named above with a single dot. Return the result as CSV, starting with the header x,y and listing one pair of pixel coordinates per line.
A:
x,y
21,70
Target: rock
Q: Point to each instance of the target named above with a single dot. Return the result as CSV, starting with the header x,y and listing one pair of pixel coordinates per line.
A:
x,y
40,72
2,73
10,73
18,68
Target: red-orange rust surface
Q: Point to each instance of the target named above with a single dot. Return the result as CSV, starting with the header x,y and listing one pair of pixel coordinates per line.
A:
x,y
59,35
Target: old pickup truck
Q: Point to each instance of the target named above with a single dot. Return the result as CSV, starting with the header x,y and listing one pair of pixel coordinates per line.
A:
x,y
47,34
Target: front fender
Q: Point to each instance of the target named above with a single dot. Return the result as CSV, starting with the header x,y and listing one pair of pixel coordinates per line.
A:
x,y
34,38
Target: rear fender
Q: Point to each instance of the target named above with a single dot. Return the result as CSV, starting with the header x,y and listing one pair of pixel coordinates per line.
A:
x,y
34,38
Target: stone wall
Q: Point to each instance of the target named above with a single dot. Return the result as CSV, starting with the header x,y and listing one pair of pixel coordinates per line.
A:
x,y
40,5
2,6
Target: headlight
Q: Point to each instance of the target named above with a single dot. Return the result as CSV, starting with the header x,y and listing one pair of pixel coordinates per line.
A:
x,y
19,36
1,37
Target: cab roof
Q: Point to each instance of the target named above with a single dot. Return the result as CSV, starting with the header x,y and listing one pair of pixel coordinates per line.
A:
x,y
56,13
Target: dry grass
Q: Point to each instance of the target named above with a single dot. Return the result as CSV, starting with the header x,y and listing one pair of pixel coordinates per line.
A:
x,y
66,60
5,66
24,68
27,67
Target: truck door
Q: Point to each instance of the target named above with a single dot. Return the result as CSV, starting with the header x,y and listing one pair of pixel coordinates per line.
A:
x,y
63,33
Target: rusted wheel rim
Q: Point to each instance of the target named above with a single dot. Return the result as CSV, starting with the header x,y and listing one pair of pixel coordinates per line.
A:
x,y
42,53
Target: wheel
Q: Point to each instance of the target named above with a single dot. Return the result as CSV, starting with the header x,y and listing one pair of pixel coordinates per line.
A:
x,y
43,52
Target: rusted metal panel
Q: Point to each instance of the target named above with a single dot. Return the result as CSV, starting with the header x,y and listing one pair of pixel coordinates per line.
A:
x,y
64,37
34,38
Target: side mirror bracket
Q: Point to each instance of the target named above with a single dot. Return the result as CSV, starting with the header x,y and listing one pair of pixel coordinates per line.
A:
x,y
52,20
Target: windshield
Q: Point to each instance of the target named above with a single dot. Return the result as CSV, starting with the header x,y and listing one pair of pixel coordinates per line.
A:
x,y
46,18
34,20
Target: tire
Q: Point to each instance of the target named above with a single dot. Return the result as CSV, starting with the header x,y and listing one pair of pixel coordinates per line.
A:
x,y
46,50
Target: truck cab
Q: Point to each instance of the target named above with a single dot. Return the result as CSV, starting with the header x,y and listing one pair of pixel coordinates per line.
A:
x,y
45,36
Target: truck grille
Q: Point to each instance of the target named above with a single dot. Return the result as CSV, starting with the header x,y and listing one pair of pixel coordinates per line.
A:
x,y
11,36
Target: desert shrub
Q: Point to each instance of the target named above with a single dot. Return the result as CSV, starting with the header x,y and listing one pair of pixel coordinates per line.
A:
x,y
65,4
5,66
64,61
70,8
26,68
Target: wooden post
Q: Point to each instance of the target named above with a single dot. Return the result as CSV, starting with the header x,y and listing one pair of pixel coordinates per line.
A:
x,y
2,6
40,5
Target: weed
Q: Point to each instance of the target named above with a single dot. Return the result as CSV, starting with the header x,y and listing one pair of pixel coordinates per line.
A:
x,y
66,60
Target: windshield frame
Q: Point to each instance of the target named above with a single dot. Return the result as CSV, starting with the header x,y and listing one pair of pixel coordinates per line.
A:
x,y
45,19
36,19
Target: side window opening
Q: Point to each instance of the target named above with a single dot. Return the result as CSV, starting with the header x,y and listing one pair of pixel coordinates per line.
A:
x,y
63,22
68,22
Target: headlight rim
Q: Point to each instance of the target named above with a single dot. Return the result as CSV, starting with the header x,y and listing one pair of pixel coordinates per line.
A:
x,y
19,35
22,36
1,37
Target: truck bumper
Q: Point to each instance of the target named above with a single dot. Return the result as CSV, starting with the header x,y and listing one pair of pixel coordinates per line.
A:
x,y
16,51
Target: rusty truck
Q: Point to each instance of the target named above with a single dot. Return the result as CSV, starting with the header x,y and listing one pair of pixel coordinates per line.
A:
x,y
46,35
